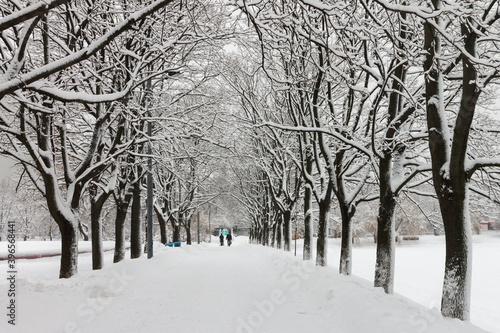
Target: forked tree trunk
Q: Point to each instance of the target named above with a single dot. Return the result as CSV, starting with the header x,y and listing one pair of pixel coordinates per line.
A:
x,y
390,169
66,219
448,168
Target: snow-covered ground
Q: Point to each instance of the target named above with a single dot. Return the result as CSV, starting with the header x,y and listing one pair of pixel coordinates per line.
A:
x,y
34,249
420,270
246,288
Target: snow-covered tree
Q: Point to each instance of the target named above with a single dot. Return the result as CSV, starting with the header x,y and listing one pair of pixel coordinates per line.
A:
x,y
457,48
47,55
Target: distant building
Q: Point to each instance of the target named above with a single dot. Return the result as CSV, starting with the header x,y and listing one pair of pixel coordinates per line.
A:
x,y
488,225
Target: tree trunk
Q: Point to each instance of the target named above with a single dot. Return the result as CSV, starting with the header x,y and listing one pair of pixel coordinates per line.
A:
x,y
384,268
96,205
121,215
322,242
96,233
455,300
188,232
308,223
163,226
391,169
69,249
136,223
176,231
273,236
448,169
265,235
279,235
287,230
346,243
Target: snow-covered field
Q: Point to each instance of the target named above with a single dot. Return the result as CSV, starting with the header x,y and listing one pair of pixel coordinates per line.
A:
x,y
248,288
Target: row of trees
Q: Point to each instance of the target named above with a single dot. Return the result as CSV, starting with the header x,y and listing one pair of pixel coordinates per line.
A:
x,y
299,105
360,101
81,83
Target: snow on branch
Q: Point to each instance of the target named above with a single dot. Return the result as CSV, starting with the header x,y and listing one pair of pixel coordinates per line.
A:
x,y
479,163
74,58
81,97
338,136
29,12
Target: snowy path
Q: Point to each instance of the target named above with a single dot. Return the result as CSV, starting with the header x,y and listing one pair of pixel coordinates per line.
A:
x,y
208,288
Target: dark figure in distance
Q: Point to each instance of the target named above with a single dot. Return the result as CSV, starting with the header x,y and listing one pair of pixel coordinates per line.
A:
x,y
221,237
229,239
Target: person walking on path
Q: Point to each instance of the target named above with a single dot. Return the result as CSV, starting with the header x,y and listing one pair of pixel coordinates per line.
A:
x,y
221,237
229,239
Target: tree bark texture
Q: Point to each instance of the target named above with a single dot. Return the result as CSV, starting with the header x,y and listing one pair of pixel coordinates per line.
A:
x,y
69,249
448,168
308,222
384,267
322,244
121,216
136,223
346,242
287,230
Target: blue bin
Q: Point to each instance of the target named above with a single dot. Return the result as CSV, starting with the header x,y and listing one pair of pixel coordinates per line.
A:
x,y
174,244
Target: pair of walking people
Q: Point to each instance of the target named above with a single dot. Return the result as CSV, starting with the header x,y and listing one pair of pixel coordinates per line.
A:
x,y
229,239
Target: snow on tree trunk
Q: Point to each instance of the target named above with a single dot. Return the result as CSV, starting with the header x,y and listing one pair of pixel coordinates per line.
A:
x,y
448,169
69,249
135,223
384,267
455,300
346,243
121,215
322,244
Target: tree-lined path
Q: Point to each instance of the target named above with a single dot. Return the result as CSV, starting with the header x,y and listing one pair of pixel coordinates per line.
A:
x,y
128,120
209,288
